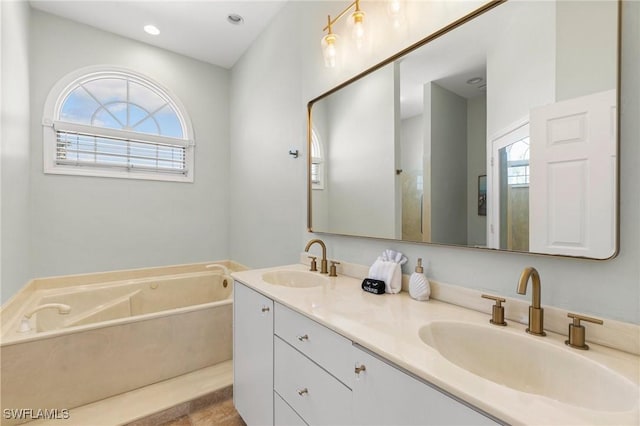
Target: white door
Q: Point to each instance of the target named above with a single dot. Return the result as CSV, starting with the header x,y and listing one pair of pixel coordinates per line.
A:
x,y
573,177
503,152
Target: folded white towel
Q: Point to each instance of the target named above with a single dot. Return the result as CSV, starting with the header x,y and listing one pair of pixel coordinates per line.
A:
x,y
394,256
385,271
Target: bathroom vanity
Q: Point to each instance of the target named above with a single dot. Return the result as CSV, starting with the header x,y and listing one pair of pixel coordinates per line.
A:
x,y
314,350
290,369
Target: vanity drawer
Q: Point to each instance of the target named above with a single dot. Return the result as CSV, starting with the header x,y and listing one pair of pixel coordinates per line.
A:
x,y
283,414
313,393
327,348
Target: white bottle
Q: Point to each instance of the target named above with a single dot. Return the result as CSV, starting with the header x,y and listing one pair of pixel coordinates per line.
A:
x,y
419,287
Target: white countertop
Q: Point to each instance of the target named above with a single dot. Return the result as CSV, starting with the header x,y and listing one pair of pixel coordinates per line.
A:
x,y
388,325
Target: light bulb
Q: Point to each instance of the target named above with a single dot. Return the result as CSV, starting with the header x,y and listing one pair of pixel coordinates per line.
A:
x,y
329,51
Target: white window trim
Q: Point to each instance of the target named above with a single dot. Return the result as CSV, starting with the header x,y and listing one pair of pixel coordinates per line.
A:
x,y
52,107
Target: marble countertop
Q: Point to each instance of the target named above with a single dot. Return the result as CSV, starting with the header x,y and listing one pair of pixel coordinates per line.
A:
x,y
388,325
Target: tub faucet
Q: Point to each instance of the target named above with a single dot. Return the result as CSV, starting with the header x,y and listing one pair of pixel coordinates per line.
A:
x,y
62,308
536,313
323,263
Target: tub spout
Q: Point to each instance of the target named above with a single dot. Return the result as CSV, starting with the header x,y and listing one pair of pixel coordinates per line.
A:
x,y
62,308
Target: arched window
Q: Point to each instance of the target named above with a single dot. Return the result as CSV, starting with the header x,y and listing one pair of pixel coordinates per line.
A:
x,y
317,166
116,123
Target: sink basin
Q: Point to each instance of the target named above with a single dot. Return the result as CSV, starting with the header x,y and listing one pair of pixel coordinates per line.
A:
x,y
293,278
530,364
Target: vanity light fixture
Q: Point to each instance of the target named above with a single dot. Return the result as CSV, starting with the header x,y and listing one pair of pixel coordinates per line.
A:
x,y
151,29
329,40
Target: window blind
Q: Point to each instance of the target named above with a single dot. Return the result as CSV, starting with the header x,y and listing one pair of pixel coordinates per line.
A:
x,y
83,149
315,173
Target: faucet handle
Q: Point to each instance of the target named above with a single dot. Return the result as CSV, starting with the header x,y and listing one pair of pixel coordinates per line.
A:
x,y
332,269
577,331
314,265
497,313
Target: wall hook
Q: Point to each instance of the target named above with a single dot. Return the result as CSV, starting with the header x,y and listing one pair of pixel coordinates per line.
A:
x,y
293,153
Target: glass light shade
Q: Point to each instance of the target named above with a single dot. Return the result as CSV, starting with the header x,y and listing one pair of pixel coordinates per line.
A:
x,y
395,12
358,31
394,7
329,52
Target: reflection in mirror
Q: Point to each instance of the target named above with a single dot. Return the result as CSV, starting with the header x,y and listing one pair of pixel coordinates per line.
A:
x,y
525,93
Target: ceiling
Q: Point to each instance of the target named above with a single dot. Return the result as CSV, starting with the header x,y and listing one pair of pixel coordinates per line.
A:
x,y
198,29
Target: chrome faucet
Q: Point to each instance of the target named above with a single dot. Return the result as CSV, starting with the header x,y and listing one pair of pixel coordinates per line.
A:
x,y
63,309
323,262
536,313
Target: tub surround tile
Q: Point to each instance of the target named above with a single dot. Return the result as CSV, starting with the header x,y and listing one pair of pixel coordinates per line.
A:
x,y
168,400
83,367
26,296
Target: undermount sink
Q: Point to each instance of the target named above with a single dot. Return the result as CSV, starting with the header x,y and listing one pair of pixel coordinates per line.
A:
x,y
293,278
530,364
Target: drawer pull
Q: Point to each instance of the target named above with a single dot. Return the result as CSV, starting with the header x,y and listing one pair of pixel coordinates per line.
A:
x,y
360,369
303,392
303,338
265,309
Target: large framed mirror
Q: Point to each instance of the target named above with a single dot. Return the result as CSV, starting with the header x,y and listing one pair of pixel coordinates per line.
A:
x,y
524,92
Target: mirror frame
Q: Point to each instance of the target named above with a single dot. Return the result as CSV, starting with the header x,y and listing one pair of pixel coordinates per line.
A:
x,y
439,33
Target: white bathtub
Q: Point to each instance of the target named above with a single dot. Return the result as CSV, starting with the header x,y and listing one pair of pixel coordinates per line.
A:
x,y
120,335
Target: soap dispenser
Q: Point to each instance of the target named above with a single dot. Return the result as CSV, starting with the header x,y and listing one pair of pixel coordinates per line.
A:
x,y
419,287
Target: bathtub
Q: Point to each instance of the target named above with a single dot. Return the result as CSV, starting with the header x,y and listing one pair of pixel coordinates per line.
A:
x,y
123,331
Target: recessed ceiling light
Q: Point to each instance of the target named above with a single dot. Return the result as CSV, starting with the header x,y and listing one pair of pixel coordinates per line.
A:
x,y
235,19
474,80
151,29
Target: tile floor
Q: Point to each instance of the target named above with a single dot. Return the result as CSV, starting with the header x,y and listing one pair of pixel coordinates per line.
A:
x,y
222,413
215,408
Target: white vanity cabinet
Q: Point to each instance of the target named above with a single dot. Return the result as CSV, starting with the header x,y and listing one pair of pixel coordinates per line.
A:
x,y
385,395
252,355
290,370
312,369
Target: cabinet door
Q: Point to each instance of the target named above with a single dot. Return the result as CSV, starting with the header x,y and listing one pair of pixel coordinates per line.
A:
x,y
252,355
385,395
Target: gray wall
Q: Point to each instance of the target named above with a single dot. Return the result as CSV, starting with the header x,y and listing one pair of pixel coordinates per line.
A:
x,y
448,164
361,162
14,186
580,24
89,224
608,289
476,166
268,117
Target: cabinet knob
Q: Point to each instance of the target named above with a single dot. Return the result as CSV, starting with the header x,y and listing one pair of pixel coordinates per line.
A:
x,y
303,338
303,392
359,369
265,309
